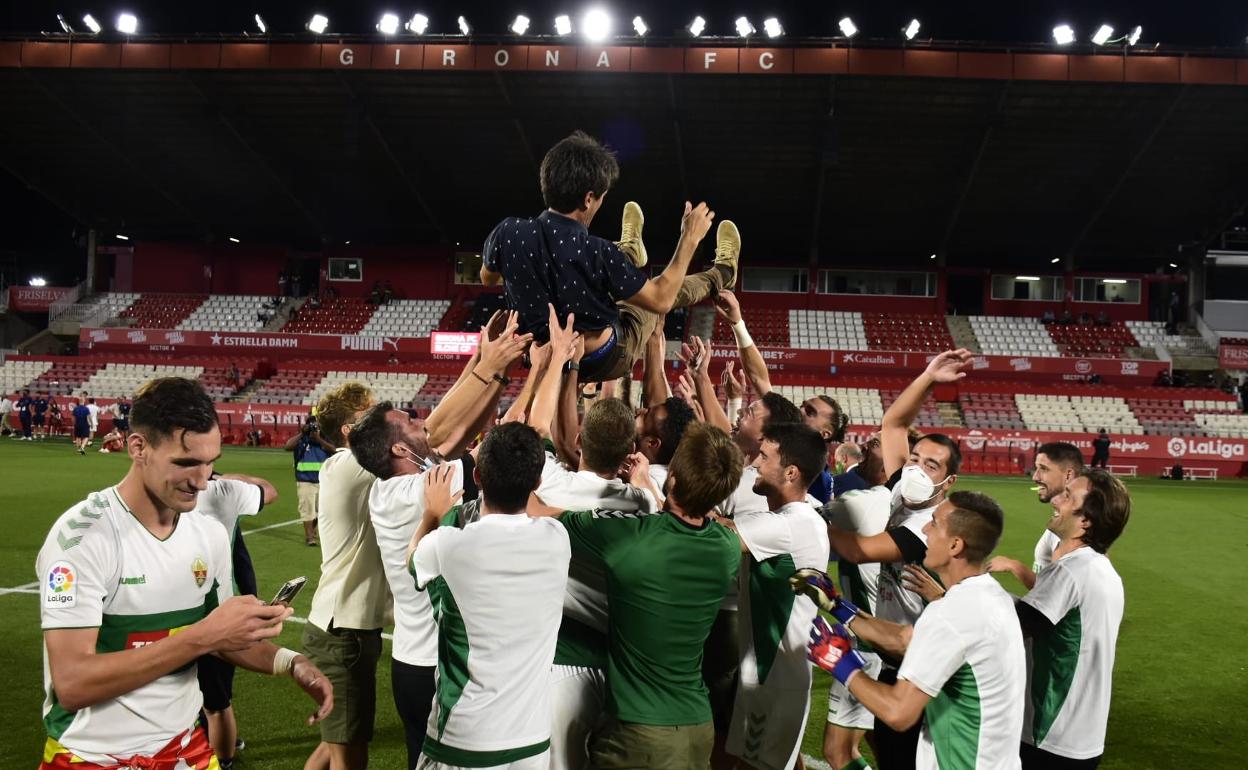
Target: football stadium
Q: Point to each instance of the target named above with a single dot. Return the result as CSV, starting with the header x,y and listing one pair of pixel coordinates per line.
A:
x,y
875,419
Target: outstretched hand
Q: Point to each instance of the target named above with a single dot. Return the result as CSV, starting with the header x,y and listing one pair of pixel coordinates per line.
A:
x,y
948,366
696,222
732,383
727,306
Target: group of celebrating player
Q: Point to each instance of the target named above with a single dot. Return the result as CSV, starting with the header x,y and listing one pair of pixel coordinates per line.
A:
x,y
40,416
577,584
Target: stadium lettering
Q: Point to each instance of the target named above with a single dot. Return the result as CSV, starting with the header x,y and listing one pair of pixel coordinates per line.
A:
x,y
552,58
501,57
603,61
766,60
448,57
708,59
346,57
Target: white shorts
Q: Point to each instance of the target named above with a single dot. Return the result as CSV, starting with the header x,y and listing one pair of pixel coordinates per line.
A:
x,y
844,710
578,708
535,762
767,725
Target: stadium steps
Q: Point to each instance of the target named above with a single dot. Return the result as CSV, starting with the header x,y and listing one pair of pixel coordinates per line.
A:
x,y
282,314
962,333
249,390
950,412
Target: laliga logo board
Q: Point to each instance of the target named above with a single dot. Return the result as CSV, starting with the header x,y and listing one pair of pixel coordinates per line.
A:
x,y
60,590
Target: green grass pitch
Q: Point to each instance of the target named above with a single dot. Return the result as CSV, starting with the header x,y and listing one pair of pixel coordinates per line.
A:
x,y
1180,685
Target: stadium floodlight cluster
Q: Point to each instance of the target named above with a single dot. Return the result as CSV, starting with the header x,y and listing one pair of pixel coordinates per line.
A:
x,y
596,25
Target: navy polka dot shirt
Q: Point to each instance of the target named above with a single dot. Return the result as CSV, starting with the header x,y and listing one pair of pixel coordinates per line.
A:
x,y
554,259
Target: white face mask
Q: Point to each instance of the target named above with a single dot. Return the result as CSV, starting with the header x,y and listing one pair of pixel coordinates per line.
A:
x,y
422,462
915,487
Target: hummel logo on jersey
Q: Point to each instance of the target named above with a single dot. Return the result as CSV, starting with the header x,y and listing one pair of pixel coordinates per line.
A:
x,y
134,581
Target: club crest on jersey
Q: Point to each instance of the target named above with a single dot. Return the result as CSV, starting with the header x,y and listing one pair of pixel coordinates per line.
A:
x,y
61,588
200,570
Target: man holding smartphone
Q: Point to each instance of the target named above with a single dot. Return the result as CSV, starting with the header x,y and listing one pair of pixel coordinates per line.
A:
x,y
137,584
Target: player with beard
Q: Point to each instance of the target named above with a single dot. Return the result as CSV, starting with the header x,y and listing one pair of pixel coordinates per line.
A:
x,y
773,695
1057,464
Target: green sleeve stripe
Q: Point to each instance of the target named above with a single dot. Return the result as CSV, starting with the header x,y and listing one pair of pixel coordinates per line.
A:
x,y
452,657
1055,656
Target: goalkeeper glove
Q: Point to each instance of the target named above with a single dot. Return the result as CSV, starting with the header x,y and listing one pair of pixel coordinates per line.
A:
x,y
818,586
831,650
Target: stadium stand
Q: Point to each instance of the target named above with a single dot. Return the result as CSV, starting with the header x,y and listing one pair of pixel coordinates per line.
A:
x,y
1092,341
399,387
288,387
1011,336
227,313
406,318
18,373
161,311
1150,333
65,378
863,405
484,307
825,330
769,327
1077,414
992,411
99,309
115,379
930,415
917,332
340,315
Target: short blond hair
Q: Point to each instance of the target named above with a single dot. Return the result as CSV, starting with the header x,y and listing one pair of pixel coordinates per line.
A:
x,y
339,407
705,469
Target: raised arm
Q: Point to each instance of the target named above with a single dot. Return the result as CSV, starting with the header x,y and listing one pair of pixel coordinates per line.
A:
x,y
727,306
539,356
450,424
659,293
697,357
654,377
563,340
895,427
567,421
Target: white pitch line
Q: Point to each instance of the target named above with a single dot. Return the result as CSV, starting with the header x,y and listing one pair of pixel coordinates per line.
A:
x,y
816,764
29,588
271,526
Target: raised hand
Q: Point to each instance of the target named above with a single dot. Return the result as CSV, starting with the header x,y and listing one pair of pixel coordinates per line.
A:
x,y
498,353
696,222
727,306
831,650
732,383
563,338
948,366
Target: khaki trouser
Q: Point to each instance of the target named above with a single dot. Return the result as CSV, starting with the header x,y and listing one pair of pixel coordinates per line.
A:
x,y
625,746
635,326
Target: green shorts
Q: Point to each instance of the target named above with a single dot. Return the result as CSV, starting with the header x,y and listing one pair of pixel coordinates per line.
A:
x,y
348,657
624,745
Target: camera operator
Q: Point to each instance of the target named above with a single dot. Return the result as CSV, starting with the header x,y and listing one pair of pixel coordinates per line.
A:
x,y
310,451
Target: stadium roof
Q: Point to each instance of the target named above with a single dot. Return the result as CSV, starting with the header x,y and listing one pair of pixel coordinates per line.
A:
x,y
862,155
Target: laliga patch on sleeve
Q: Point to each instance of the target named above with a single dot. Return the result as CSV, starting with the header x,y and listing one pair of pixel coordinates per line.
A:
x,y
61,588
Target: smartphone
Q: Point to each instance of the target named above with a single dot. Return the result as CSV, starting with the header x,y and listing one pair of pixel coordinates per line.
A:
x,y
289,590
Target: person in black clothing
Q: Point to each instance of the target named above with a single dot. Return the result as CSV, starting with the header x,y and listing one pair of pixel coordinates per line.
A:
x,y
552,259
1100,449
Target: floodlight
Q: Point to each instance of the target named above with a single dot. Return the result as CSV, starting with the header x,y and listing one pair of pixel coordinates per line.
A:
x,y
848,29
264,28
520,25
121,237
1113,280
596,25
1026,277
465,28
127,24
92,24
1174,265
233,239
1055,260
772,27
640,27
1102,34
932,257
911,30
1134,37
697,26
418,24
37,281
563,25
318,24
1063,34
389,24
744,27
68,30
